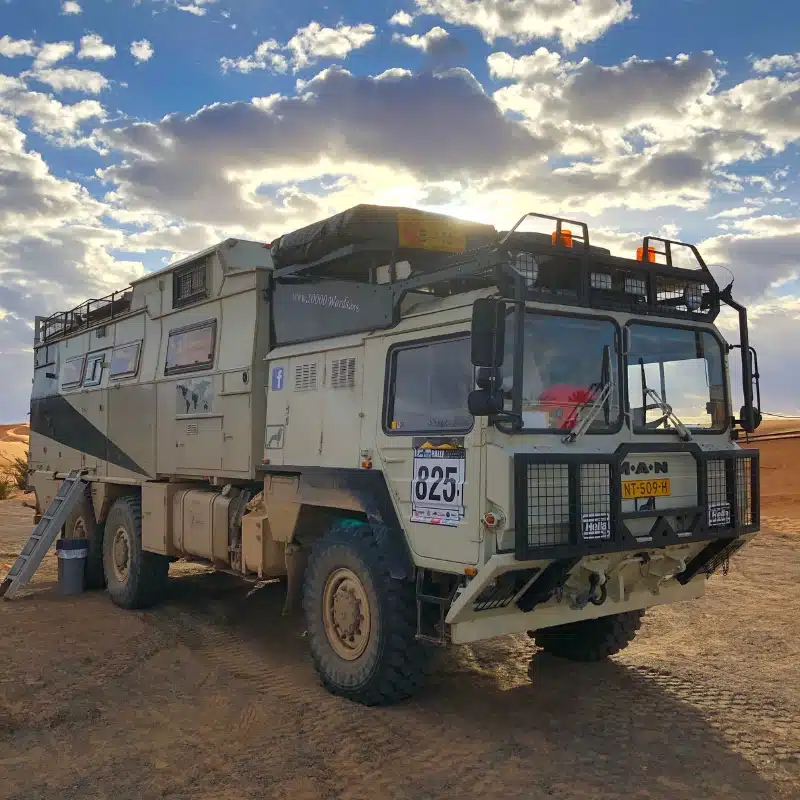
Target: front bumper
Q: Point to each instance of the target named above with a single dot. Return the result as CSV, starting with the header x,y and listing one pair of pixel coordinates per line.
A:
x,y
570,505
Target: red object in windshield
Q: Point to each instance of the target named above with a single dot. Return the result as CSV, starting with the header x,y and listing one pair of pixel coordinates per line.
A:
x,y
561,401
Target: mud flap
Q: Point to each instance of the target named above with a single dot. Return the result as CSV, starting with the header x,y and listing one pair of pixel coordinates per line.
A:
x,y
296,560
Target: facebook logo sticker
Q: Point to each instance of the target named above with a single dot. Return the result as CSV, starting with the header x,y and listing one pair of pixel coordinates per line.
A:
x,y
277,379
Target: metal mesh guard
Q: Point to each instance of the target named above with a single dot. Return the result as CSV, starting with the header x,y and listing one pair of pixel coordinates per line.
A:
x,y
595,501
548,504
744,493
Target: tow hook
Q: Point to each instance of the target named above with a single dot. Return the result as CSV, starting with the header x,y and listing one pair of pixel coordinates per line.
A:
x,y
596,595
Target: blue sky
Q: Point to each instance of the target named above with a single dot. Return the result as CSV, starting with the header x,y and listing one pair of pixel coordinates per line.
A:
x,y
136,131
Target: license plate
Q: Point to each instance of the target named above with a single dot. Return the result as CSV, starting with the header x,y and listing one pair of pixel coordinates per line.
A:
x,y
429,234
635,490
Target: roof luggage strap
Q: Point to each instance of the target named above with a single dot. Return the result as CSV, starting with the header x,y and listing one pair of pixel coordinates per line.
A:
x,y
557,236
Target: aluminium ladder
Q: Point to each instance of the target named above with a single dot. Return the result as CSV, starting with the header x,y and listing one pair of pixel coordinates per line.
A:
x,y
45,533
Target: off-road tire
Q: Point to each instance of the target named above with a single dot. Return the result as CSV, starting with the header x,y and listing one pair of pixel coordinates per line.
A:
x,y
83,525
147,573
394,664
591,639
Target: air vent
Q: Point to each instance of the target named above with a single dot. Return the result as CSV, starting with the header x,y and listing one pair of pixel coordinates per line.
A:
x,y
189,284
191,429
343,373
305,377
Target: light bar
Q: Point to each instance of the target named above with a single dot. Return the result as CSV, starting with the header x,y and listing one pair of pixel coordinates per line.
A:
x,y
566,237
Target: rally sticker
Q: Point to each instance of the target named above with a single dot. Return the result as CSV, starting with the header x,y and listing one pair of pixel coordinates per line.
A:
x,y
437,485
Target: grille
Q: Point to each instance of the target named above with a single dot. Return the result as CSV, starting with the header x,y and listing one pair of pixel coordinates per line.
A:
x,y
190,284
343,373
744,490
719,507
305,377
595,501
503,590
548,504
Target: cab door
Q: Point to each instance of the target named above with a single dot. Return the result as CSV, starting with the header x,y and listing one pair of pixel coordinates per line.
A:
x,y
426,440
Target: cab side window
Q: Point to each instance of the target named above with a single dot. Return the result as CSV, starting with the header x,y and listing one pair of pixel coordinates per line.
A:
x,y
428,386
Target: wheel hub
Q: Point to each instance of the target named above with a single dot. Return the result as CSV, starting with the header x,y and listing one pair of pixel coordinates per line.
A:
x,y
122,554
346,614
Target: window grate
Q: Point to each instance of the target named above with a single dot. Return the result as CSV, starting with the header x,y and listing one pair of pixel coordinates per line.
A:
x,y
189,284
305,377
343,373
595,481
548,505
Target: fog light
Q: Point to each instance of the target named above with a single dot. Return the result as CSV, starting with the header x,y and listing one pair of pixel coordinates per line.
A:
x,y
600,280
693,296
637,286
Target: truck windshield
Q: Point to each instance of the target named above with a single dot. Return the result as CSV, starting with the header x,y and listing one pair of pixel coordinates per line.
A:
x,y
685,369
567,361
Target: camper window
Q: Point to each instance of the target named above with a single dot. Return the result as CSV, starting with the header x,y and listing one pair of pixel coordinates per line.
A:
x,y
125,361
191,348
73,371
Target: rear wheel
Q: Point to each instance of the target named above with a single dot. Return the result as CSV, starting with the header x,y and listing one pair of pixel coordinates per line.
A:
x,y
591,639
82,525
361,622
135,578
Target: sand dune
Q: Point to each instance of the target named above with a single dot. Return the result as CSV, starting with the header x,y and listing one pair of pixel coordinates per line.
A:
x,y
13,443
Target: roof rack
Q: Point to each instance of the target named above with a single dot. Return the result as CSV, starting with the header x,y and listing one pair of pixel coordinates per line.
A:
x,y
554,271
88,314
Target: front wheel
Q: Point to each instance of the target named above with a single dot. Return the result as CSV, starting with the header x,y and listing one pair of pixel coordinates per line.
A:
x,y
591,639
361,622
135,578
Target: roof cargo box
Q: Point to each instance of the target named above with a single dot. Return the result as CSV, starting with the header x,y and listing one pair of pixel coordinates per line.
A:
x,y
380,229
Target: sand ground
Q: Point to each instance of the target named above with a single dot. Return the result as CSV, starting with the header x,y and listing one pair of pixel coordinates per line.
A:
x,y
212,695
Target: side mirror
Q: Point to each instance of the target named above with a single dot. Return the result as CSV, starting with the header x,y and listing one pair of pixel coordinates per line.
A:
x,y
485,402
488,333
750,424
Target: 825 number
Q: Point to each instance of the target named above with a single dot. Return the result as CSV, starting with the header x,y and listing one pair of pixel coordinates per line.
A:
x,y
441,489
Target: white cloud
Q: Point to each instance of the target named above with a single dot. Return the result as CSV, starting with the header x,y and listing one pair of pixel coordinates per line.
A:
x,y
197,10
49,116
70,7
402,18
51,53
777,63
12,48
313,42
762,253
733,213
266,56
65,78
93,46
305,48
425,41
570,21
141,50
208,166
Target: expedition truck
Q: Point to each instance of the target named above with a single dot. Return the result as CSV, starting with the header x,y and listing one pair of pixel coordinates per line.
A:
x,y
433,431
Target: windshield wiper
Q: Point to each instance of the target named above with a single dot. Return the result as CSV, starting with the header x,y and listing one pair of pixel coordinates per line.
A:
x,y
599,399
665,407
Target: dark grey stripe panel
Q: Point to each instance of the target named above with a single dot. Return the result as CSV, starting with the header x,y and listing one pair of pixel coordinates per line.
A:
x,y
56,418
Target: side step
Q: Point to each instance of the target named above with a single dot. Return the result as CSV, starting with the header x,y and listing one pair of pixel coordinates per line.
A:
x,y
45,533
